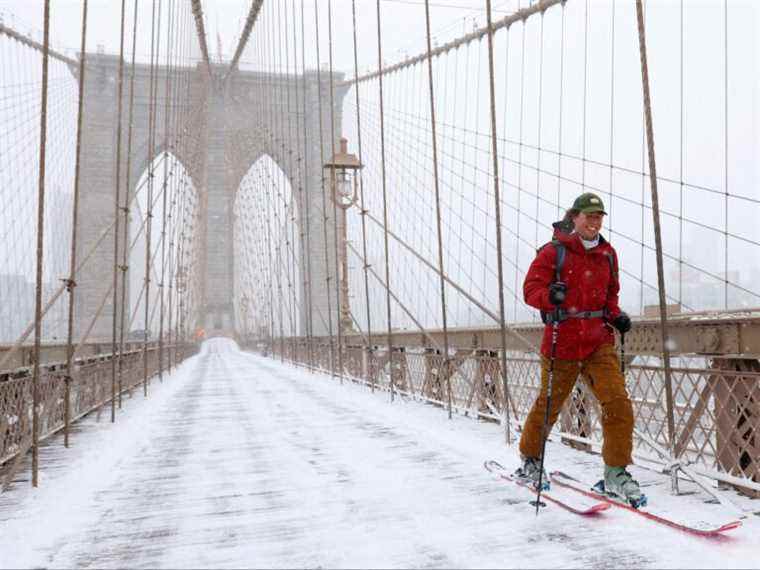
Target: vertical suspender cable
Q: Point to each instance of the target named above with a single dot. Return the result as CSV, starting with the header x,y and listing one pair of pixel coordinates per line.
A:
x,y
277,66
585,97
269,219
307,199
125,209
561,103
162,285
362,203
385,201
154,49
338,262
612,116
680,167
539,149
281,231
179,119
291,146
445,363
272,138
324,200
177,220
725,151
657,230
74,220
40,246
521,147
500,261
119,104
266,51
304,305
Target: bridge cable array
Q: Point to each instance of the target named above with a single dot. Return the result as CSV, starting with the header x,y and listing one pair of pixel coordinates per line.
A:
x,y
414,270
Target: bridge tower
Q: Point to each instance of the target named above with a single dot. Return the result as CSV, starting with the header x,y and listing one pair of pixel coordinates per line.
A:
x,y
229,122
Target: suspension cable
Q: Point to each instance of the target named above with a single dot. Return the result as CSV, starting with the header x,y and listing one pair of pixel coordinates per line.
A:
x,y
339,275
322,185
519,16
497,202
154,50
664,339
385,203
306,199
74,222
40,249
253,14
125,209
446,370
119,113
201,31
361,197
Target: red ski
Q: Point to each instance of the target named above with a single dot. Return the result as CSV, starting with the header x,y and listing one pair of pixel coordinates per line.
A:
x,y
584,509
566,482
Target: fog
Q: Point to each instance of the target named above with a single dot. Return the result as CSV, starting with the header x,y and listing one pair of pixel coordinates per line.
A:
x,y
569,119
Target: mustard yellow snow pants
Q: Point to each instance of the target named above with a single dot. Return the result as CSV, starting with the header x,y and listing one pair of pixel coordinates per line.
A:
x,y
601,371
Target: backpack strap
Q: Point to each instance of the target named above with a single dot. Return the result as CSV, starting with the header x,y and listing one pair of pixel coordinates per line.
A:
x,y
613,272
560,261
611,261
560,250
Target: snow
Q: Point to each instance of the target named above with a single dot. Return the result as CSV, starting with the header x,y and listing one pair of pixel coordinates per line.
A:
x,y
236,460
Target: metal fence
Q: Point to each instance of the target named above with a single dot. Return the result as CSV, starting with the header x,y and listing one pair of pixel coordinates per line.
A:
x,y
89,389
716,408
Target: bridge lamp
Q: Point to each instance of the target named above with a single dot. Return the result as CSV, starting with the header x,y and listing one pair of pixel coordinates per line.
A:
x,y
343,168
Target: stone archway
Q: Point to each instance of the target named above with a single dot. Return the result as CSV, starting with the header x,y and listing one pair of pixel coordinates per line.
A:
x,y
265,202
231,124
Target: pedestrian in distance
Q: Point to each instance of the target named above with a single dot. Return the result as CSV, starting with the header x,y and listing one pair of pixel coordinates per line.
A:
x,y
574,282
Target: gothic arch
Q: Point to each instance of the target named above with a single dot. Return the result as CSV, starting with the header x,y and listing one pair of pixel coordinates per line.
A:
x,y
265,201
228,131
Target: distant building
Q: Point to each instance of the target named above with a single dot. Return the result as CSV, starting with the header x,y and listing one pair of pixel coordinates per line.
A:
x,y
702,292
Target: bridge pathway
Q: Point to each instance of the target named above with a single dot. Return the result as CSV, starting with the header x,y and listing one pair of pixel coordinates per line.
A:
x,y
239,461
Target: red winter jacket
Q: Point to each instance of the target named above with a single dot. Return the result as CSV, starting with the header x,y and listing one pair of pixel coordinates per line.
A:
x,y
592,284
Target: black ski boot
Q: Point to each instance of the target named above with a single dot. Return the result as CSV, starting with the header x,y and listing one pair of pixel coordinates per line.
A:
x,y
530,473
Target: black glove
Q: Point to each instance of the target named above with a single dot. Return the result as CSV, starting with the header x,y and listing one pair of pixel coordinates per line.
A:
x,y
557,292
622,323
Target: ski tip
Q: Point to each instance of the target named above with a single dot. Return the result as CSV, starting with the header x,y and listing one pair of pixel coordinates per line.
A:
x,y
599,507
492,465
729,526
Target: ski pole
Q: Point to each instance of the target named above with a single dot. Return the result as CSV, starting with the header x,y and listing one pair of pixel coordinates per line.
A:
x,y
545,428
622,353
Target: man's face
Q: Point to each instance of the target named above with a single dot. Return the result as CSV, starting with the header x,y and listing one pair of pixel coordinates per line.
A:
x,y
588,225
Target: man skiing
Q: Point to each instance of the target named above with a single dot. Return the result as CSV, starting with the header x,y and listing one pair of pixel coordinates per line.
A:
x,y
574,283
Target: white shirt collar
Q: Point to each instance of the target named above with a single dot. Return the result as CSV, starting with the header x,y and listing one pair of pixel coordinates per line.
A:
x,y
590,244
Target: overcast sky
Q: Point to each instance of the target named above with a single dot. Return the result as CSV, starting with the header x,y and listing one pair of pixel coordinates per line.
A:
x,y
718,85
403,20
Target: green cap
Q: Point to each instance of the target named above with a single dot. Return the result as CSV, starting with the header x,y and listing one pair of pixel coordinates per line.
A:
x,y
588,203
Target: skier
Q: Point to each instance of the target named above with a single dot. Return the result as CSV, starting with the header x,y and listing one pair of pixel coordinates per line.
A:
x,y
573,281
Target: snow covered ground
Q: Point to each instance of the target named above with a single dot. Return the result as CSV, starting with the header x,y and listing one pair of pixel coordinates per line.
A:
x,y
238,461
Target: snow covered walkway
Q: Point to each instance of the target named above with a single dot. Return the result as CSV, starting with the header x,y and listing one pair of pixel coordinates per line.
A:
x,y
238,461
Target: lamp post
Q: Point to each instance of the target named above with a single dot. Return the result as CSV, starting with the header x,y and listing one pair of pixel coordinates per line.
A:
x,y
343,168
244,308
